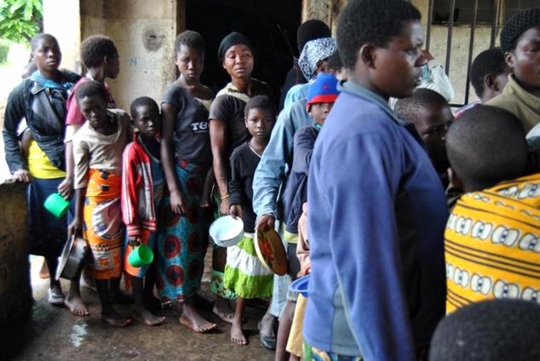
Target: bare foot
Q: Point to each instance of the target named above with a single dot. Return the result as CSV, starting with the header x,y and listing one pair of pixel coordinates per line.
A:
x,y
119,297
114,319
237,334
148,318
75,305
44,271
190,318
222,308
199,326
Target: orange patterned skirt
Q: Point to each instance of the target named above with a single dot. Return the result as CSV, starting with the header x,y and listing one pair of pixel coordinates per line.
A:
x,y
103,227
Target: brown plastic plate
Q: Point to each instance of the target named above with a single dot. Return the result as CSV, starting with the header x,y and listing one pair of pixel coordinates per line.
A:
x,y
270,251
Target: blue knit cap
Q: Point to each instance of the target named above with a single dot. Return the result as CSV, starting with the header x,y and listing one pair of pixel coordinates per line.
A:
x,y
323,90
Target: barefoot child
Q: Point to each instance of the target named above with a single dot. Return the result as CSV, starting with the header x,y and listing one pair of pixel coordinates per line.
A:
x,y
244,273
97,148
142,196
187,162
100,56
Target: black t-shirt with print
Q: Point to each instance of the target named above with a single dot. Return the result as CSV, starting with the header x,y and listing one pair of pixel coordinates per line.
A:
x,y
191,134
230,109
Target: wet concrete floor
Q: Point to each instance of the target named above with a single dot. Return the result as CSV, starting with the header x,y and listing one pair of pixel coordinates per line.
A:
x,y
53,333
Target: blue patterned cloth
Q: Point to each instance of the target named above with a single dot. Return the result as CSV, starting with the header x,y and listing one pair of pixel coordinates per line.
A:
x,y
182,239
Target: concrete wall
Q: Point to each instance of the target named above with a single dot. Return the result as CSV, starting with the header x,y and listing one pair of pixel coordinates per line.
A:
x,y
459,54
459,49
61,19
15,291
145,39
328,11
144,35
325,10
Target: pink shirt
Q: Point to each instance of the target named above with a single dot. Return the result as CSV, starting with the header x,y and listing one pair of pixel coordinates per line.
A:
x,y
74,115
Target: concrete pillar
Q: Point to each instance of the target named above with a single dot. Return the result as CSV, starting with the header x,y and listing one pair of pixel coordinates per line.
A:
x,y
144,33
61,18
15,291
325,10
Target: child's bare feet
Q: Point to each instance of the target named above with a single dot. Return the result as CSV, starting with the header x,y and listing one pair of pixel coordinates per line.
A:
x,y
237,334
190,318
222,308
114,319
75,305
148,318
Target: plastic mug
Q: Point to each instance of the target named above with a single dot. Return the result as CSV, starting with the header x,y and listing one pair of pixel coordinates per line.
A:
x,y
141,256
57,205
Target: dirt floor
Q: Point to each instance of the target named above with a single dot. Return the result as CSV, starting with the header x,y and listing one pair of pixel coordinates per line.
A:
x,y
54,334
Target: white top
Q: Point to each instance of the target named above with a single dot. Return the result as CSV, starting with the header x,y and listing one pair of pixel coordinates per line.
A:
x,y
94,150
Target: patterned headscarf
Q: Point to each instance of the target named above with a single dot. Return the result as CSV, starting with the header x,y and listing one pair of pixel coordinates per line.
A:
x,y
315,51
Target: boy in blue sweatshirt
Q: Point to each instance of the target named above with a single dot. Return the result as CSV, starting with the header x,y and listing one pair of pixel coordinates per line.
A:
x,y
377,208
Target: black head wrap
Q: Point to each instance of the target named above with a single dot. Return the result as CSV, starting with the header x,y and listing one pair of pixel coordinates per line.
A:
x,y
496,330
517,25
230,40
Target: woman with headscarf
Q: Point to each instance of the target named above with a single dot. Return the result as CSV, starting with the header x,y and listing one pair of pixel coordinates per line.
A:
x,y
227,131
312,61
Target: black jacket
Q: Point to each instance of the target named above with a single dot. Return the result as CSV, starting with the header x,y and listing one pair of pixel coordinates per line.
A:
x,y
44,110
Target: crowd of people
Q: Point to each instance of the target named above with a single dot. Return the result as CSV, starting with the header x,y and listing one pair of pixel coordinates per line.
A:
x,y
400,210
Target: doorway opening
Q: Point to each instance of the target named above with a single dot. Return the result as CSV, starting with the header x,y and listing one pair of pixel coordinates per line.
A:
x,y
270,25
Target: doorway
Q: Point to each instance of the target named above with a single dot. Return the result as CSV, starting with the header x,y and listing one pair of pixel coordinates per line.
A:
x,y
270,25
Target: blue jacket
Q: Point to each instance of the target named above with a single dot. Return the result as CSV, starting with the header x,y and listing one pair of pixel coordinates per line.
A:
x,y
296,192
375,225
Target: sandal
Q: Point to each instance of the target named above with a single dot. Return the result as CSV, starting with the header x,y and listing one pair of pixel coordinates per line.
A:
x,y
227,317
55,297
268,341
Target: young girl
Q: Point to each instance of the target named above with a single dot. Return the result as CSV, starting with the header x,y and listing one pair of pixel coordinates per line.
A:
x,y
97,148
244,273
142,197
100,57
187,163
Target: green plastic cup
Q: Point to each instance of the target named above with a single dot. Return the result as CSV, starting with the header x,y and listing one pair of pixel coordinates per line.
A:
x,y
57,205
141,256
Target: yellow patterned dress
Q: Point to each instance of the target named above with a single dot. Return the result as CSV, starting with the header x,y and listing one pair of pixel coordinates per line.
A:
x,y
492,244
